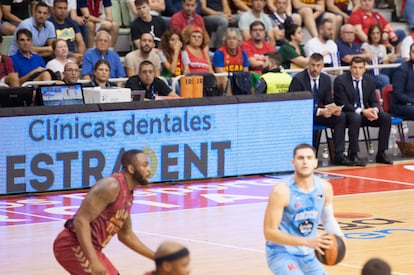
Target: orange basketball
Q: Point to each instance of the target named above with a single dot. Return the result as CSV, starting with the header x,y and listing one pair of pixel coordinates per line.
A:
x,y
333,255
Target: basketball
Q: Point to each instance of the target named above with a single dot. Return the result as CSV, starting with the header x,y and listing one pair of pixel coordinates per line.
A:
x,y
333,255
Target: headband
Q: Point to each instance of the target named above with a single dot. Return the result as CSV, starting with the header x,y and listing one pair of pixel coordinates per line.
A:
x,y
172,257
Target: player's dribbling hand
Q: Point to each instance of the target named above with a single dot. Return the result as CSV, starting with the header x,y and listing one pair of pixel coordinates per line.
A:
x,y
97,268
321,242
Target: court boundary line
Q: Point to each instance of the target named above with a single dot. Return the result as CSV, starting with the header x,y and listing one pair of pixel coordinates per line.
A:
x,y
53,219
368,178
32,215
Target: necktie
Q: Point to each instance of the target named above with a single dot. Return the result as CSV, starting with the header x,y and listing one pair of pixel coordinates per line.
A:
x,y
315,92
357,95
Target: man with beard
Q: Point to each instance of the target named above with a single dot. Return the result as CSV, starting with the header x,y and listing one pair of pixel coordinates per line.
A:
x,y
325,112
257,46
273,81
145,52
186,16
292,215
324,44
402,98
104,212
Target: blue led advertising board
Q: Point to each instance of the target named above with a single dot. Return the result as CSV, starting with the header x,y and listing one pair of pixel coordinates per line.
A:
x,y
71,151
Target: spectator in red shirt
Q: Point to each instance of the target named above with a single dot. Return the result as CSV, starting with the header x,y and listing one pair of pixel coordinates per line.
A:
x,y
196,57
365,16
256,46
186,16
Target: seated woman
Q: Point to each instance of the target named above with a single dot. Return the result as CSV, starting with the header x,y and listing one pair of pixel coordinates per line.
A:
x,y
101,74
230,57
170,53
292,52
376,49
171,56
196,56
61,53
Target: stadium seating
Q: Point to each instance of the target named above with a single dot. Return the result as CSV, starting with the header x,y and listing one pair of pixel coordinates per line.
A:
x,y
123,44
7,39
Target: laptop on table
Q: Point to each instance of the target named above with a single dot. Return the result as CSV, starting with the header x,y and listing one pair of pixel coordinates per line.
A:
x,y
62,94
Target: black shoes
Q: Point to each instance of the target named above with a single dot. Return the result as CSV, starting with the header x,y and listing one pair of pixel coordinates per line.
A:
x,y
343,161
383,158
354,160
357,161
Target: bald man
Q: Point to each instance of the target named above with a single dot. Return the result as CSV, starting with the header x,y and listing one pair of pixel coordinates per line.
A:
x,y
171,258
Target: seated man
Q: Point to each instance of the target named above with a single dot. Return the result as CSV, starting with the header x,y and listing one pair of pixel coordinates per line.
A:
x,y
256,46
273,81
15,12
71,73
402,97
355,91
43,31
186,16
256,14
325,112
230,58
347,46
281,15
174,6
146,80
68,30
144,52
102,51
29,66
324,44
146,23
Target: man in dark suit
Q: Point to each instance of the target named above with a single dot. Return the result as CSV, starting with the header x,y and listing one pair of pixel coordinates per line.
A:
x,y
402,97
325,112
355,90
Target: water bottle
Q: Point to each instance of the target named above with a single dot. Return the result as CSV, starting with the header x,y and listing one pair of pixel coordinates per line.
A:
x,y
392,143
325,157
405,130
371,153
346,150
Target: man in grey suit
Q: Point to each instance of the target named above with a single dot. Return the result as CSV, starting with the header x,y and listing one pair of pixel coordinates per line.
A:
x,y
325,112
355,90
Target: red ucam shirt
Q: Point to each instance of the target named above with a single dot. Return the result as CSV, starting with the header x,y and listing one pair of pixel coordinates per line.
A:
x,y
258,53
360,17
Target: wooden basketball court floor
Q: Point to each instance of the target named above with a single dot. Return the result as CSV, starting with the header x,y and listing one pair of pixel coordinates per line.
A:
x,y
221,221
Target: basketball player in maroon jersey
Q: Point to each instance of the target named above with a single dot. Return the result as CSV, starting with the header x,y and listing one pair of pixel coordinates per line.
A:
x,y
104,212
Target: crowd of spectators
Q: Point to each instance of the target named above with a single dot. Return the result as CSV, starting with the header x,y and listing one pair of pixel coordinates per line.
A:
x,y
203,36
